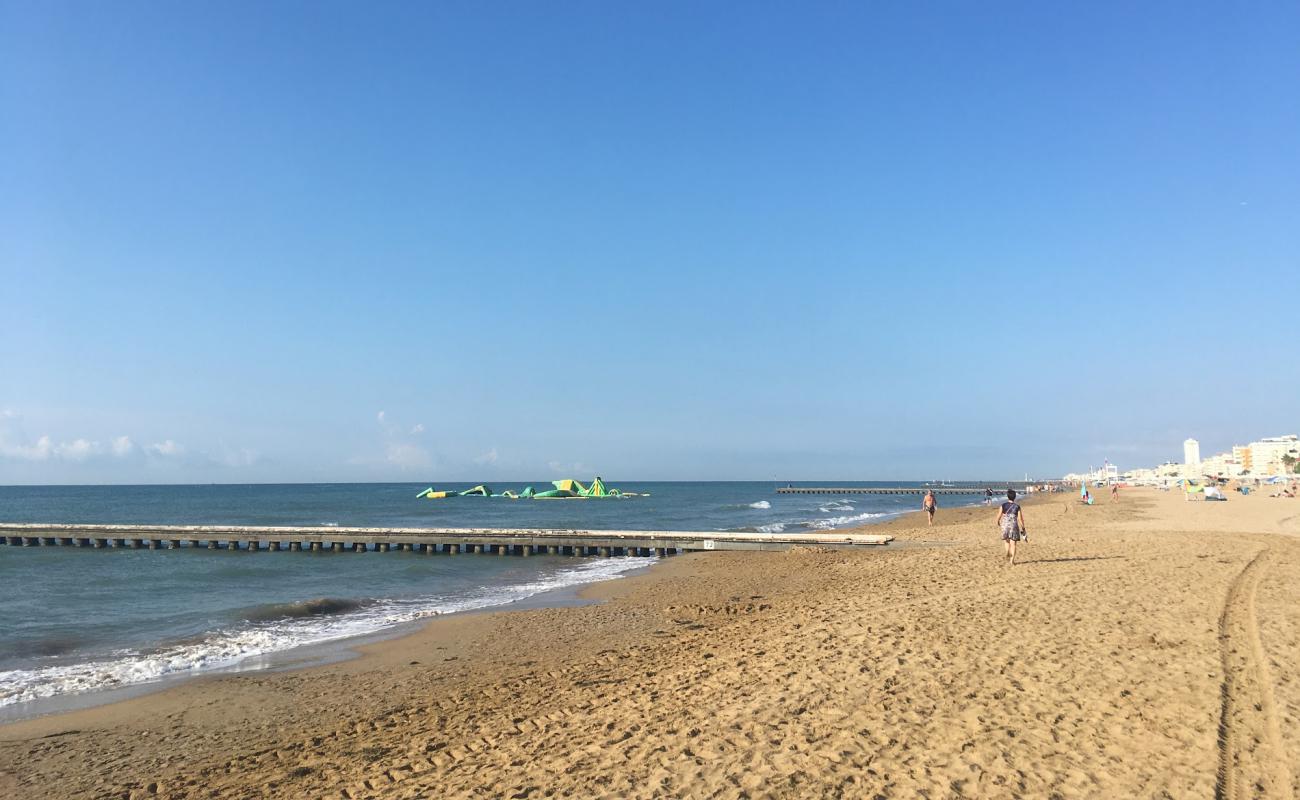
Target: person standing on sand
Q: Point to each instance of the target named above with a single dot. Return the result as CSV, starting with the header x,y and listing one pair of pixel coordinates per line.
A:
x,y
1114,492
1011,521
929,504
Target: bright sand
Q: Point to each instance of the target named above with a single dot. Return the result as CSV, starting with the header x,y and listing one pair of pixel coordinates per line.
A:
x,y
1149,648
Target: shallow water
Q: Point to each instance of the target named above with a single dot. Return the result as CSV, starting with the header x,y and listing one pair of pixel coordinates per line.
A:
x,y
79,620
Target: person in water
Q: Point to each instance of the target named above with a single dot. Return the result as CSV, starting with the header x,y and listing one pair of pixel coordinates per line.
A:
x,y
1011,521
929,505
988,497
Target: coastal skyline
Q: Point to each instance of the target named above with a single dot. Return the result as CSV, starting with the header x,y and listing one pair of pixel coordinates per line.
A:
x,y
244,244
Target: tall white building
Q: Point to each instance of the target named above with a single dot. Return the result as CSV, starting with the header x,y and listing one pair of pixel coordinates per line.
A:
x,y
1192,453
1266,454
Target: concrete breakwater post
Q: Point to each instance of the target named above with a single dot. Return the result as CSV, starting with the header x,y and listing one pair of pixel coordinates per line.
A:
x,y
275,546
453,549
337,547
295,546
212,544
315,547
98,543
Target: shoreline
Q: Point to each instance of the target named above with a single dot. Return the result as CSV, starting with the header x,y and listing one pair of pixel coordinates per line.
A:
x,y
904,670
353,648
347,648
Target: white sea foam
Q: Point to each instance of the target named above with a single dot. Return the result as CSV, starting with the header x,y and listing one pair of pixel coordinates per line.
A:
x,y
839,522
829,507
760,504
822,524
230,647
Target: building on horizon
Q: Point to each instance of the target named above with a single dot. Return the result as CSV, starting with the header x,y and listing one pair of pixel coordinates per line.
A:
x,y
1267,456
1192,453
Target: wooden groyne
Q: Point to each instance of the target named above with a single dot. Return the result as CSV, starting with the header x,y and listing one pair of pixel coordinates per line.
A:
x,y
450,541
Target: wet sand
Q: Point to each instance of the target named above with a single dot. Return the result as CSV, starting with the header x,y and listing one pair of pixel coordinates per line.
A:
x,y
1146,648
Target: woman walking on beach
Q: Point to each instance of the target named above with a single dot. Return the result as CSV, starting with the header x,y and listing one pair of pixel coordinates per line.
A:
x,y
1011,521
929,504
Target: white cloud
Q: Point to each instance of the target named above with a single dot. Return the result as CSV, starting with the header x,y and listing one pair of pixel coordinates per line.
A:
x,y
41,451
123,446
165,448
419,428
77,450
380,417
490,457
408,456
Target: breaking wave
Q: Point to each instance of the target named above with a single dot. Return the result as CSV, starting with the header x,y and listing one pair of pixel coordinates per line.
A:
x,y
320,607
272,629
820,524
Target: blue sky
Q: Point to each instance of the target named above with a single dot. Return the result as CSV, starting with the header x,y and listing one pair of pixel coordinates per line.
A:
x,y
417,241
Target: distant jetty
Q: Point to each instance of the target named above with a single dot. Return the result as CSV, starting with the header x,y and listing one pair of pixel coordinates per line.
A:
x,y
997,487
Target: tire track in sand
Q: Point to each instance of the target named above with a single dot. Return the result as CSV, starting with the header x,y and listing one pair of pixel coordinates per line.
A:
x,y
1252,758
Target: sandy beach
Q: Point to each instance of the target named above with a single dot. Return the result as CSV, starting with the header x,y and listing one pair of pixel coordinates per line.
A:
x,y
1147,648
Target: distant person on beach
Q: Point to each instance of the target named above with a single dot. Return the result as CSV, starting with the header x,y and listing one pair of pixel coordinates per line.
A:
x,y
1114,492
929,504
1011,521
988,497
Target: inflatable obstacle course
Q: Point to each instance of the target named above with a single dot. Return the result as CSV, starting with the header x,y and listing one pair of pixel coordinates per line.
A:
x,y
566,489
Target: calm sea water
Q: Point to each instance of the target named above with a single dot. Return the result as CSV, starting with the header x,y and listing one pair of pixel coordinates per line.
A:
x,y
79,621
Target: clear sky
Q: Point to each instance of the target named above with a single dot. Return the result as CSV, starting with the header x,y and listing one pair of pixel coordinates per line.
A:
x,y
495,241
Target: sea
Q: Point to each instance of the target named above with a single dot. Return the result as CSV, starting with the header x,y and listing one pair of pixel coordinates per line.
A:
x,y
82,626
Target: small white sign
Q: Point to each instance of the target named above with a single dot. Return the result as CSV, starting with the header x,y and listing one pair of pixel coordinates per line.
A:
x,y
708,544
